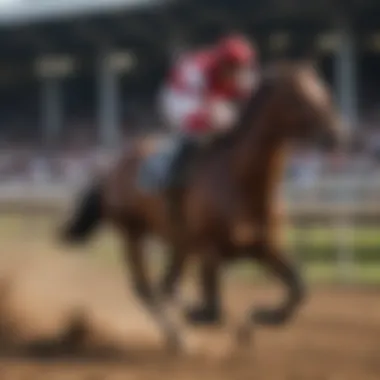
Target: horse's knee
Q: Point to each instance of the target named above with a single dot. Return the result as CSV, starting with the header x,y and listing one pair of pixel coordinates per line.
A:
x,y
167,288
297,286
143,293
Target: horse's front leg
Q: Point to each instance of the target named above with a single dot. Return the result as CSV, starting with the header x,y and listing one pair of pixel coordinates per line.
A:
x,y
287,272
139,274
173,272
209,309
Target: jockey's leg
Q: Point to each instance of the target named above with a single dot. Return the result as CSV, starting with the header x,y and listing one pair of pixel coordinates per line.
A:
x,y
178,109
186,149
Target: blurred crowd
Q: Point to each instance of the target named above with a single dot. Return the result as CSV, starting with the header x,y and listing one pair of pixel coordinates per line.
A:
x,y
25,156
81,157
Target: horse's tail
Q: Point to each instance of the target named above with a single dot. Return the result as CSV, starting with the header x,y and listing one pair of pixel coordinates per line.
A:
x,y
88,215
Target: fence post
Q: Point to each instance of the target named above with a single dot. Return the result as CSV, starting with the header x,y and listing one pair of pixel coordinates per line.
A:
x,y
345,76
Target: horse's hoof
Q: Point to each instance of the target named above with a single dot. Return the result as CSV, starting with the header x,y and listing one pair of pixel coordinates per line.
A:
x,y
244,335
175,345
270,317
70,237
203,317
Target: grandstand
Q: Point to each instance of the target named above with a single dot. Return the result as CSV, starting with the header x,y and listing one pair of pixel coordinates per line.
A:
x,y
81,74
97,64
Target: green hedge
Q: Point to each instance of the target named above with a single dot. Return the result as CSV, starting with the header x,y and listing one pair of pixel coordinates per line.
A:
x,y
322,243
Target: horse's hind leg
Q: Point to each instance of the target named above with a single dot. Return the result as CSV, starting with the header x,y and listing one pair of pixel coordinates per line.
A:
x,y
135,261
285,270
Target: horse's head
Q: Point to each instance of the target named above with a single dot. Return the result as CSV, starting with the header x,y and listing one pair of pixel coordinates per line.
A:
x,y
305,106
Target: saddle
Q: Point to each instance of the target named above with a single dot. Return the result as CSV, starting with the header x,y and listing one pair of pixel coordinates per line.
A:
x,y
166,168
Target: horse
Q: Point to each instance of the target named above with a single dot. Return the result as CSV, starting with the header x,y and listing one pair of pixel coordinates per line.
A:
x,y
229,206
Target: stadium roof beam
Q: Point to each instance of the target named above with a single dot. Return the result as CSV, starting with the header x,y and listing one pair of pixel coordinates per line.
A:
x,y
134,29
32,39
25,12
89,33
136,37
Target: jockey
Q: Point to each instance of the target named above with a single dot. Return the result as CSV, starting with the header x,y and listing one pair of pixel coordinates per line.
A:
x,y
199,98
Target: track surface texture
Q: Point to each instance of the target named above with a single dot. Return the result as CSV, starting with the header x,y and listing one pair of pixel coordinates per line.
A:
x,y
63,318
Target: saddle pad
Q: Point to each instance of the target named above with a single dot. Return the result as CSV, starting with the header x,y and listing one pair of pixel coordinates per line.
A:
x,y
154,171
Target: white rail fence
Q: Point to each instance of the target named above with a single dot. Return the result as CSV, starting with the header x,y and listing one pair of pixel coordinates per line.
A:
x,y
336,201
327,195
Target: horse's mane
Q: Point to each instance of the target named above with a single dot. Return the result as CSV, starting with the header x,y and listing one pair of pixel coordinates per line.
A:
x,y
270,77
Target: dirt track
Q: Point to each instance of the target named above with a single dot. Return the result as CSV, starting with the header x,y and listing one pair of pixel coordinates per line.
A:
x,y
336,337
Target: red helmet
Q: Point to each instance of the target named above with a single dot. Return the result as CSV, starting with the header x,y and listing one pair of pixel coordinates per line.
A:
x,y
235,49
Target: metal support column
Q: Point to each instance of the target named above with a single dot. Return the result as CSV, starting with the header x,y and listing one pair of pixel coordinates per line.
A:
x,y
345,74
51,71
108,106
51,109
345,77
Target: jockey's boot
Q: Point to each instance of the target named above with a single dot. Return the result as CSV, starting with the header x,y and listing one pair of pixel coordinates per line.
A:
x,y
177,176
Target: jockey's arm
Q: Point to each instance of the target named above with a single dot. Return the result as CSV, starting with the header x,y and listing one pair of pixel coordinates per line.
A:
x,y
222,114
192,78
219,112
246,81
217,115
224,110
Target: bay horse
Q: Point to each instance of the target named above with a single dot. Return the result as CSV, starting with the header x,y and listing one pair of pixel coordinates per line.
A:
x,y
229,206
